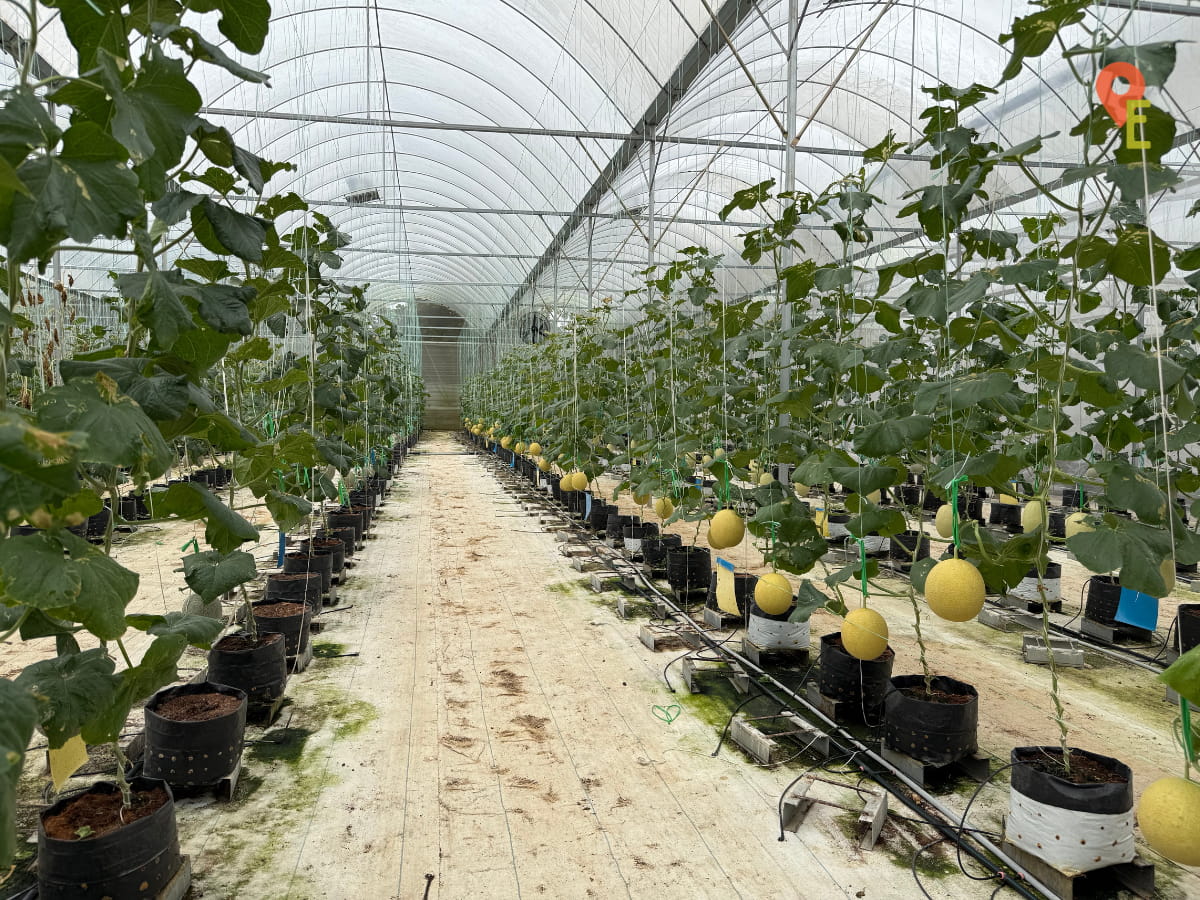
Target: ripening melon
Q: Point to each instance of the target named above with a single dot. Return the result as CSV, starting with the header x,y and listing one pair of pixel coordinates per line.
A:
x,y
944,520
718,454
520,448
822,519
535,449
543,464
706,460
954,590
506,442
766,478
664,508
1077,523
864,633
773,594
581,481
1033,516
566,484
477,430
1168,813
726,530
641,499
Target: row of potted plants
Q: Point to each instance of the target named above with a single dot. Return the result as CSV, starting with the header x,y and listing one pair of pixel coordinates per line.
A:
x,y
240,375
934,378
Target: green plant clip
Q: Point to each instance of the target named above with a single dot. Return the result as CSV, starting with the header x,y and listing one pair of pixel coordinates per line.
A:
x,y
862,564
193,543
954,510
1186,738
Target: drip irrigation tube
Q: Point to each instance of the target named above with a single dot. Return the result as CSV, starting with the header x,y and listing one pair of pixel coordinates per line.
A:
x,y
869,762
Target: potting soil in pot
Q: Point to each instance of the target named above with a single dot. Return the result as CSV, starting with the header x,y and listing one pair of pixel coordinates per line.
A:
x,y
197,707
278,610
101,813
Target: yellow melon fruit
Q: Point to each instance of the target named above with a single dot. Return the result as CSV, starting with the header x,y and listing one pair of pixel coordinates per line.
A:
x,y
875,497
581,481
535,449
520,448
1077,523
1168,813
773,594
706,460
506,442
766,478
1033,516
944,520
726,530
718,454
543,464
864,633
641,499
954,590
1008,499
664,508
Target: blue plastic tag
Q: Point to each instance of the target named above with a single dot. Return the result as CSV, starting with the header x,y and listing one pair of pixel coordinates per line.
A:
x,y
587,504
1137,609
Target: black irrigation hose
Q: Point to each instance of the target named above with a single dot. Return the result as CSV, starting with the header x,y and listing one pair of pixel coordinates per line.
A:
x,y
884,777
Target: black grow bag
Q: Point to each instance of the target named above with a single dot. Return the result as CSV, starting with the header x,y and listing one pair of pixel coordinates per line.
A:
x,y
293,628
859,684
1044,787
344,534
294,563
654,549
97,525
932,732
1103,598
1188,629
903,544
331,546
344,518
689,569
135,861
260,671
598,521
1057,525
615,526
186,754
299,587
1074,498
1007,515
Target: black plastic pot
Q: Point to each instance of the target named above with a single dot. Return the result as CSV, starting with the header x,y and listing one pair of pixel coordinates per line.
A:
x,y
689,569
130,508
859,684
186,754
1103,598
97,525
904,543
654,549
1007,515
909,494
259,671
135,861
1188,626
1073,498
365,498
331,546
293,628
346,535
615,526
344,518
929,731
1057,523
299,587
649,530
598,521
294,563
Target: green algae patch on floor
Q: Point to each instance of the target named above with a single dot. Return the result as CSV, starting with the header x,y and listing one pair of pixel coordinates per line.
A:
x,y
328,649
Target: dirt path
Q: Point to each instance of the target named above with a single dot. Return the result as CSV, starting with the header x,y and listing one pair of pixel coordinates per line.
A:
x,y
495,737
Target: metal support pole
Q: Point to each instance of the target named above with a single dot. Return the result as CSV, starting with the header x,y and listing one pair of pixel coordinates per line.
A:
x,y
789,184
651,240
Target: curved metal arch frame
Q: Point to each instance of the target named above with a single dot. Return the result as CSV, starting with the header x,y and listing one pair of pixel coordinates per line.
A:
x,y
616,32
544,198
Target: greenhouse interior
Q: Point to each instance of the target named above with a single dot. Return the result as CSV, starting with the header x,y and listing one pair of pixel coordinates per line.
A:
x,y
599,448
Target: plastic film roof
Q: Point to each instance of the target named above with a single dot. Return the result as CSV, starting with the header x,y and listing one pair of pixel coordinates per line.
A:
x,y
463,218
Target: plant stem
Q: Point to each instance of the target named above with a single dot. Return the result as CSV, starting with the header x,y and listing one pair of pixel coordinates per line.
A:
x,y
122,763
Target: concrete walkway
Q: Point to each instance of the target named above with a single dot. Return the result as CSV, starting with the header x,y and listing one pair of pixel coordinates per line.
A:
x,y
478,726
